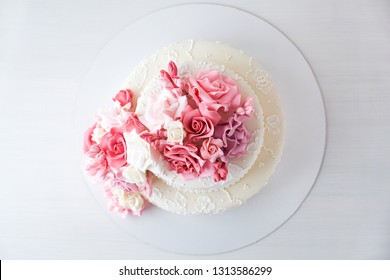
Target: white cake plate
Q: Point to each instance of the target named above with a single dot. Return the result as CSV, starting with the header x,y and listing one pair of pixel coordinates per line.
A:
x,y
300,98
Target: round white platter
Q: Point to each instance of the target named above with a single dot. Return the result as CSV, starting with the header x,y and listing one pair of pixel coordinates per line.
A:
x,y
300,98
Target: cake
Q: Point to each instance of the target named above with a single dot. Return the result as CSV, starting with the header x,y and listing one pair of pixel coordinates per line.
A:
x,y
196,128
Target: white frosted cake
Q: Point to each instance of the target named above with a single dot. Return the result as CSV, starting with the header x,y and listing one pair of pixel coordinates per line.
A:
x,y
197,128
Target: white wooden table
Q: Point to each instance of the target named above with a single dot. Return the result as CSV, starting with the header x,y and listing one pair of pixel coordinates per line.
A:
x,y
47,212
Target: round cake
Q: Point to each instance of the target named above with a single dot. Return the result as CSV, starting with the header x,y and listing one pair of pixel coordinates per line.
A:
x,y
197,128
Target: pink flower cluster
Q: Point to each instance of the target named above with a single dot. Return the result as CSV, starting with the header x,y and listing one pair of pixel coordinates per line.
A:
x,y
212,122
107,154
196,125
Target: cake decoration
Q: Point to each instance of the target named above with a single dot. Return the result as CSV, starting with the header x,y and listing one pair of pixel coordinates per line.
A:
x,y
192,126
196,136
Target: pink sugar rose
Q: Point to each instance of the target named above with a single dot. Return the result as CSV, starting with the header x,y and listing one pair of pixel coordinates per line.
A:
x,y
220,171
184,160
172,105
196,125
208,112
114,147
234,135
163,108
215,91
167,105
133,122
124,97
211,149
153,116
88,142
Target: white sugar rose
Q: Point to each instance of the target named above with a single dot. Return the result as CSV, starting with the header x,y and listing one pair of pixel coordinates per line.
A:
x,y
132,201
118,192
176,132
134,175
139,153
